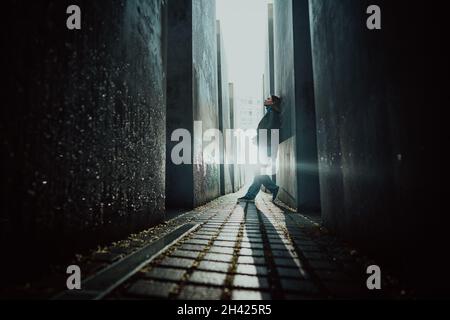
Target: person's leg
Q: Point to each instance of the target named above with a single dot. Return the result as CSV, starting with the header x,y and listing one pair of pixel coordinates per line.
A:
x,y
254,188
270,185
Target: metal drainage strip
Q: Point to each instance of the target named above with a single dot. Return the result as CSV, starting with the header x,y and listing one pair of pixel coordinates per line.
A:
x,y
102,283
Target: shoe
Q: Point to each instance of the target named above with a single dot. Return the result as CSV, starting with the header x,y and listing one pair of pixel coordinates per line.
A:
x,y
275,194
246,199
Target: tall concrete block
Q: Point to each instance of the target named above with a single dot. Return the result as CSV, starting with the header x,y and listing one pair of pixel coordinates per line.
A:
x,y
269,71
192,96
225,118
298,177
374,137
237,169
83,136
180,115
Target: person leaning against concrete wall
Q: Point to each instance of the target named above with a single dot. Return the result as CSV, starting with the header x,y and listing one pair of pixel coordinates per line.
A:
x,y
271,121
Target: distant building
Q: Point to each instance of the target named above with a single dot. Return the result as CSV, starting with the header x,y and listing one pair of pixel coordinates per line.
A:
x,y
250,110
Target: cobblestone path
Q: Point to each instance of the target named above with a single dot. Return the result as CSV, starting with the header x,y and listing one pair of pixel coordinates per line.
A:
x,y
249,251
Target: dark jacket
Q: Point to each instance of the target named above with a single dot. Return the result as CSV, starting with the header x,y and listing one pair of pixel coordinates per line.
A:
x,y
270,121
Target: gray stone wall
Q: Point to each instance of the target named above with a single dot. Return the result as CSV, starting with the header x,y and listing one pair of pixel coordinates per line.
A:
x,y
374,135
192,96
205,94
298,170
225,117
83,127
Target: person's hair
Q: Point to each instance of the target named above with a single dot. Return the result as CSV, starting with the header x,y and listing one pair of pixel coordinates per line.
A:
x,y
276,100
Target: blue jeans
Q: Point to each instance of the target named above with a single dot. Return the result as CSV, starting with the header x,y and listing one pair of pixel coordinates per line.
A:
x,y
256,186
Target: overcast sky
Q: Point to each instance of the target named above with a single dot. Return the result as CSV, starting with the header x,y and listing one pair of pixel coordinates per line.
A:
x,y
244,24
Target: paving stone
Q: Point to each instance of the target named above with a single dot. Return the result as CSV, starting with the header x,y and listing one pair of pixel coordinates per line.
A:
x,y
218,257
281,247
206,233
208,278
227,238
304,286
223,250
250,282
151,289
203,237
192,247
256,232
252,238
214,266
197,241
185,254
229,244
282,262
290,272
231,228
210,229
165,274
252,252
232,234
252,245
191,292
282,254
279,241
250,295
252,270
177,262
251,260
274,237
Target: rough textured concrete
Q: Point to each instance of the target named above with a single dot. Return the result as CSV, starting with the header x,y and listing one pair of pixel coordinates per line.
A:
x,y
298,178
179,178
286,174
205,96
225,117
284,87
374,136
83,139
192,96
269,71
284,65
305,114
238,183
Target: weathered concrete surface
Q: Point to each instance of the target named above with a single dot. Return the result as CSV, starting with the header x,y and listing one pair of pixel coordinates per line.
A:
x,y
238,182
374,135
305,114
205,96
225,117
83,139
269,71
299,180
286,174
284,87
192,96
179,178
284,65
